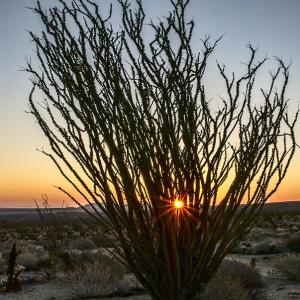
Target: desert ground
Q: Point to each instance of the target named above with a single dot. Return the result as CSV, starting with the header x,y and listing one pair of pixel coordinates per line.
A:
x,y
64,259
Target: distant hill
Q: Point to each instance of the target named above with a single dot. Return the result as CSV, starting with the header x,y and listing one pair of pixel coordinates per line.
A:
x,y
269,207
28,216
285,206
24,215
282,207
16,211
89,207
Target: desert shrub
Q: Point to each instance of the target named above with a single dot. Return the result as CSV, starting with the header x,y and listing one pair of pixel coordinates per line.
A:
x,y
31,256
28,260
90,257
233,281
297,218
289,266
82,244
268,247
243,248
61,261
54,239
90,279
260,234
249,277
54,230
294,228
134,116
282,233
239,248
31,261
105,240
225,286
45,263
69,261
293,242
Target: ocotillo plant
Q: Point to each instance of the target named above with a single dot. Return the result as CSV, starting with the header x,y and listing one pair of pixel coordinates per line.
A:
x,y
131,129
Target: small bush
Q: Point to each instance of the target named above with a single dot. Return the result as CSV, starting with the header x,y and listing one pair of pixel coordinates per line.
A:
x,y
82,244
92,279
260,234
242,248
269,247
233,281
31,256
293,242
90,257
248,276
289,266
224,287
283,234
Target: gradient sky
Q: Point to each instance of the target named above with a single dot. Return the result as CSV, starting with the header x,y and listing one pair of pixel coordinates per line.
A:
x,y
25,174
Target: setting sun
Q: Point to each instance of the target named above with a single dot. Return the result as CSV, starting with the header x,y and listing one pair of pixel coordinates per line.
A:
x,y
178,203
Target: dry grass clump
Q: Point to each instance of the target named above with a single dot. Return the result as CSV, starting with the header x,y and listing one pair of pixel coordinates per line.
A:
x,y
88,279
289,266
248,276
233,281
224,287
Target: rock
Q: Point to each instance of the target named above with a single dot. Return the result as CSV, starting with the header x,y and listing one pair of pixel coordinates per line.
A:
x,y
128,285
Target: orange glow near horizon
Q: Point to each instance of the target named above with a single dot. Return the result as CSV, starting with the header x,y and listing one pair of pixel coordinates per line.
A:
x,y
24,179
21,193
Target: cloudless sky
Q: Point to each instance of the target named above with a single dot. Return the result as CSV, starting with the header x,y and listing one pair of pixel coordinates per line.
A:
x,y
25,174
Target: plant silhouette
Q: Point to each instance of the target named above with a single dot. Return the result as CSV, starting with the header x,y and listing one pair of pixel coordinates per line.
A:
x,y
131,129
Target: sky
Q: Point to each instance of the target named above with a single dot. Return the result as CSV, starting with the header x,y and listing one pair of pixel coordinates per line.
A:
x,y
25,174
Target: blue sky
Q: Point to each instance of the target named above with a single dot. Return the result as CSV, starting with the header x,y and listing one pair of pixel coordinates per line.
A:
x,y
273,25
